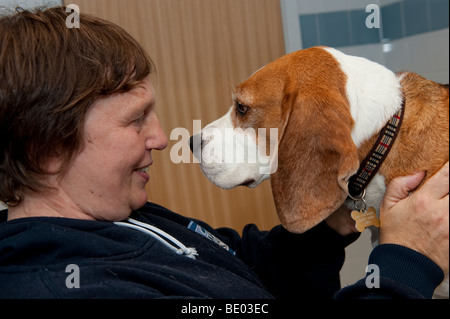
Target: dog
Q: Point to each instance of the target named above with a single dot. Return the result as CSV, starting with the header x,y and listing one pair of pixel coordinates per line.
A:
x,y
327,111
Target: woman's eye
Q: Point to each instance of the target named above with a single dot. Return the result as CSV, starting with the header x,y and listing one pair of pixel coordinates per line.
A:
x,y
139,120
242,109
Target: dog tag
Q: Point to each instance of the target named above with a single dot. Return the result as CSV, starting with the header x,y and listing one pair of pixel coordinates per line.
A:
x,y
365,219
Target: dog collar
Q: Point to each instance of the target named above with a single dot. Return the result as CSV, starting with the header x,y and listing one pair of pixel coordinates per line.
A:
x,y
371,164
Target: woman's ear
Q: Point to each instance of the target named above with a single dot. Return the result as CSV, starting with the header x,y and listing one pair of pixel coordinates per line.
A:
x,y
316,158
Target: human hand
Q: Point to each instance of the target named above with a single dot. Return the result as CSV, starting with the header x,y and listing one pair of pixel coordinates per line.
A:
x,y
341,221
419,221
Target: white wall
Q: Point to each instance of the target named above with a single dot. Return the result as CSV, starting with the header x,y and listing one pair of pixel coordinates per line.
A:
x,y
7,6
425,53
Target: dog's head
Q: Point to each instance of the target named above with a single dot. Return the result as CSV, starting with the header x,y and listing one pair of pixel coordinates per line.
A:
x,y
293,116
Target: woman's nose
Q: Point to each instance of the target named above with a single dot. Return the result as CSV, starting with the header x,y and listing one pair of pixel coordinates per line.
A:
x,y
156,139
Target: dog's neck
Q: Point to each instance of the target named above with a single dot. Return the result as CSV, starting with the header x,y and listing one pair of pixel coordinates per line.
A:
x,y
420,130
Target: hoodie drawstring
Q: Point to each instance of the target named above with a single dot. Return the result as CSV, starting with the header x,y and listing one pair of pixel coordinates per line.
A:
x,y
176,246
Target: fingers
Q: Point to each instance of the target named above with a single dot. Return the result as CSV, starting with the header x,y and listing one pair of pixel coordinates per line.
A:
x,y
419,221
400,188
341,222
438,184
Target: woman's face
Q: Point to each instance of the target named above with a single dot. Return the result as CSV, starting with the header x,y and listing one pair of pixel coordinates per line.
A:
x,y
107,178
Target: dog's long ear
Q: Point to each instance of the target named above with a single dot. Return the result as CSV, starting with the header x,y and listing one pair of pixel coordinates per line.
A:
x,y
316,157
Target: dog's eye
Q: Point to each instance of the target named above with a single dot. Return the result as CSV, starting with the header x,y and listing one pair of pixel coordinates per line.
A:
x,y
241,108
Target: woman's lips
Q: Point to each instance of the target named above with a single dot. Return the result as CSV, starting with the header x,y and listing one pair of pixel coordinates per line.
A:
x,y
143,172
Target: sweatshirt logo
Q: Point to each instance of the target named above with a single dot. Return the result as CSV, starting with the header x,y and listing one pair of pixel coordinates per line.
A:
x,y
200,230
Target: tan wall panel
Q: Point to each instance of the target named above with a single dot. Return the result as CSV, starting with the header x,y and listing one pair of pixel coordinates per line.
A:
x,y
202,49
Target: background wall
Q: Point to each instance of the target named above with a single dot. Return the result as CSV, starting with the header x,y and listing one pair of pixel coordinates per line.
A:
x,y
6,6
413,34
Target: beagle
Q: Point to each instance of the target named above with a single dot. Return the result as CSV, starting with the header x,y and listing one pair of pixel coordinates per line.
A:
x,y
327,110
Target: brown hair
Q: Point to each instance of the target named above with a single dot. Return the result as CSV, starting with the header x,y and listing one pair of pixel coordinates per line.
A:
x,y
49,77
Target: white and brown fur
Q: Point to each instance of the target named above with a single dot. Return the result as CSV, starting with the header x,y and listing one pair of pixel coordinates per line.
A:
x,y
328,108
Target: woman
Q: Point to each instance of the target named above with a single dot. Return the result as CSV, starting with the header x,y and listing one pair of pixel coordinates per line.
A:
x,y
78,125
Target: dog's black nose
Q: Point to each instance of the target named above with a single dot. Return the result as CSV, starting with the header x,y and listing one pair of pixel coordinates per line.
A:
x,y
191,143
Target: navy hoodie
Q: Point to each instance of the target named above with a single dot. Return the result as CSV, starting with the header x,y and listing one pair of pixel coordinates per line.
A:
x,y
112,261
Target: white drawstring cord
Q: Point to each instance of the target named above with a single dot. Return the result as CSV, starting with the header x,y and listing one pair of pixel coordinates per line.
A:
x,y
156,233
